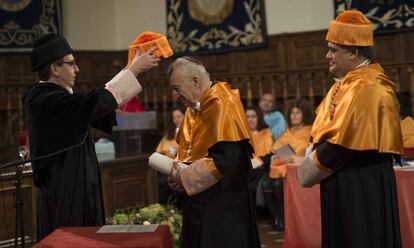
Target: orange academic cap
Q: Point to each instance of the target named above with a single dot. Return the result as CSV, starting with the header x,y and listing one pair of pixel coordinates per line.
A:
x,y
351,28
145,41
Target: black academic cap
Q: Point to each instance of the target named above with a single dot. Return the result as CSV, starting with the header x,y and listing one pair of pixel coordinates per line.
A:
x,y
47,49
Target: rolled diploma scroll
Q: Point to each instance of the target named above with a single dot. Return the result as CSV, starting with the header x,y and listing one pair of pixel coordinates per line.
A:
x,y
163,163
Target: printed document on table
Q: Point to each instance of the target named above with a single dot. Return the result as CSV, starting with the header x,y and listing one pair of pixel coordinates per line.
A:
x,y
127,228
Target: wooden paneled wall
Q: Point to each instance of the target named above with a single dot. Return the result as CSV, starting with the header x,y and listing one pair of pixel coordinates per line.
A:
x,y
128,182
292,65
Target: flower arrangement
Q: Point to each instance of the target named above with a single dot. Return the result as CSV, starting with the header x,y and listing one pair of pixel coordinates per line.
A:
x,y
152,214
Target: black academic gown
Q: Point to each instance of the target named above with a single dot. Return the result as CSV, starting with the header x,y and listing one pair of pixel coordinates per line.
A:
x,y
69,188
223,215
359,204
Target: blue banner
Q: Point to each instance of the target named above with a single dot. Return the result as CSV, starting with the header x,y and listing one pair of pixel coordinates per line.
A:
x,y
22,21
386,15
196,26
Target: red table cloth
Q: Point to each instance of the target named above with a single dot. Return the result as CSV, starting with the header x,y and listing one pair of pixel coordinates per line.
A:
x,y
87,237
303,212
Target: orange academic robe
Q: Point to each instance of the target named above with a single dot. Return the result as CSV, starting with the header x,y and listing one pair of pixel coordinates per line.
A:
x,y
221,215
167,147
356,133
407,129
263,141
298,140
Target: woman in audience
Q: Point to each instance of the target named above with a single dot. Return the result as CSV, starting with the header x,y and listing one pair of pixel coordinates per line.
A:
x,y
169,147
262,137
263,140
297,136
407,122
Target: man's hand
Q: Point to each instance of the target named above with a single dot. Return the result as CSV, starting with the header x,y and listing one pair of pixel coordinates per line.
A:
x,y
144,62
174,179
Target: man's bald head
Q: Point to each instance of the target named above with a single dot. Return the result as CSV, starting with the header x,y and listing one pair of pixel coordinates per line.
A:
x,y
189,79
188,67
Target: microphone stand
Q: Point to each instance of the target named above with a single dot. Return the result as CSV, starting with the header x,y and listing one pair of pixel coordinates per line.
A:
x,y
18,200
18,194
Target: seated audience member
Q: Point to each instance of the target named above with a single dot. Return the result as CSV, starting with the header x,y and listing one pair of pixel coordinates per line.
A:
x,y
262,137
169,147
407,122
263,140
274,119
297,136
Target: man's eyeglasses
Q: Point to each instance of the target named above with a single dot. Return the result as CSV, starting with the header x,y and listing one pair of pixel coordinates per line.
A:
x,y
69,63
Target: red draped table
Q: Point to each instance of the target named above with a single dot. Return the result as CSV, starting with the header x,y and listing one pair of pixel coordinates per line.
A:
x,y
303,212
87,237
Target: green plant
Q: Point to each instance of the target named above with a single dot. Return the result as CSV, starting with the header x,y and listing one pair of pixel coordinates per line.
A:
x,y
152,214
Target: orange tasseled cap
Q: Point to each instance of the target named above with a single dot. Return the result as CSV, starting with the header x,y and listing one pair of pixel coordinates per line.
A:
x,y
351,28
145,41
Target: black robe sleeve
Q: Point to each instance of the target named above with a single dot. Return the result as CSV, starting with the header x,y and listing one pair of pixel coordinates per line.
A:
x,y
81,109
231,160
57,120
333,156
337,157
103,116
223,215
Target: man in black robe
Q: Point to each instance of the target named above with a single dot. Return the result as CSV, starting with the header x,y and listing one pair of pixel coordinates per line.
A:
x,y
69,188
214,139
355,138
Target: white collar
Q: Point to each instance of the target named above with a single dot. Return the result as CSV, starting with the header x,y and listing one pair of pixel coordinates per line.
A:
x,y
365,62
196,107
